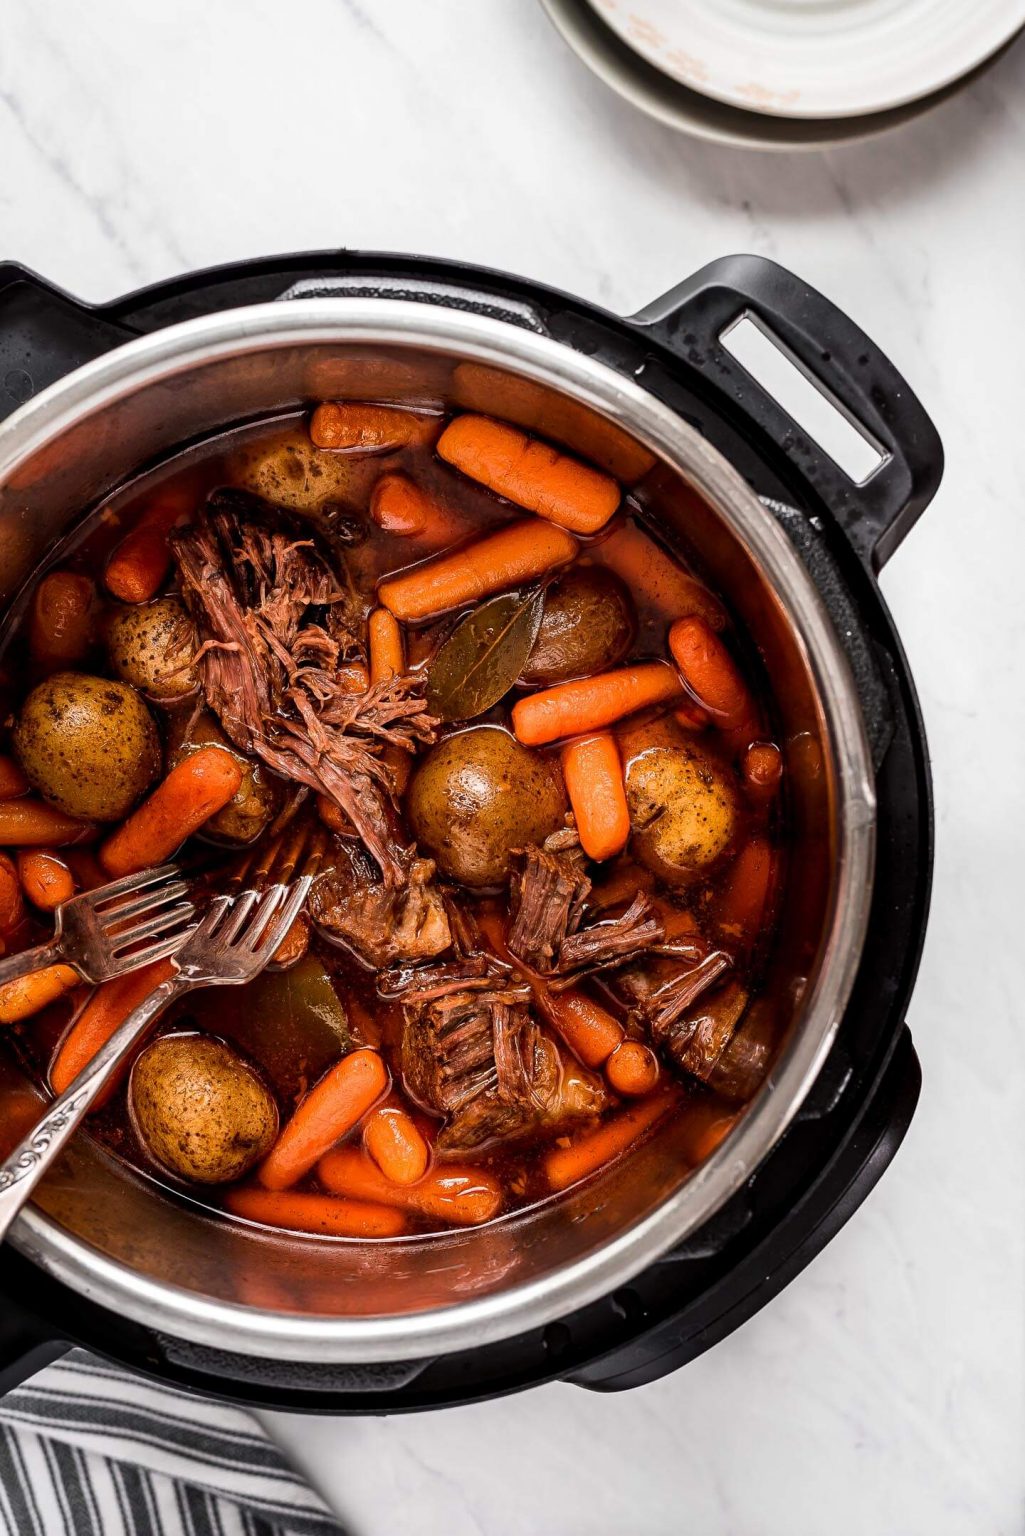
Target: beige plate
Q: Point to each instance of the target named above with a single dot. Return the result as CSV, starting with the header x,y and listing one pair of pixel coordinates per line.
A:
x,y
678,107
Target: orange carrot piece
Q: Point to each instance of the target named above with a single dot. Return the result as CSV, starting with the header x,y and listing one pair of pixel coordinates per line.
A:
x,y
591,703
691,717
45,878
12,779
196,789
106,1010
86,869
385,643
324,1214
705,1125
710,673
589,1030
567,1165
354,676
12,907
330,1109
762,769
594,782
401,507
744,897
507,558
60,627
353,426
138,567
21,998
632,1069
295,943
391,1138
646,567
531,473
28,823
460,1194
332,815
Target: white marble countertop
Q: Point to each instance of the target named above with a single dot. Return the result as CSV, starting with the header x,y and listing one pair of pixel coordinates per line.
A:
x,y
884,1391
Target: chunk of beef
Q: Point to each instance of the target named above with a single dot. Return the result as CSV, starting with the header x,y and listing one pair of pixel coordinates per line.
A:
x,y
548,932
382,924
479,1058
277,620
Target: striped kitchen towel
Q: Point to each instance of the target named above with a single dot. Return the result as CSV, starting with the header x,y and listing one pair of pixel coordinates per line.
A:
x,y
91,1450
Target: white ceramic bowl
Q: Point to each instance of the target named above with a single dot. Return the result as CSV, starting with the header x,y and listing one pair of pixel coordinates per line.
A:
x,y
814,58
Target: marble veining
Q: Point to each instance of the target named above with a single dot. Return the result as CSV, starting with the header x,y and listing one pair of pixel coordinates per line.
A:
x,y
884,1390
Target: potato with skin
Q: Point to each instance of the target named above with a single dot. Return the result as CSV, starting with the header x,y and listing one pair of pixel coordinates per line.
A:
x,y
683,812
244,817
88,745
476,797
587,626
151,646
200,1111
291,472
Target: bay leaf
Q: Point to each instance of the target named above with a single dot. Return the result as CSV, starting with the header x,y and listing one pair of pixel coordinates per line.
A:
x,y
483,656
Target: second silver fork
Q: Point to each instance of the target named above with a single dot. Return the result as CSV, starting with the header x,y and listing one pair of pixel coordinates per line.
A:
x,y
232,944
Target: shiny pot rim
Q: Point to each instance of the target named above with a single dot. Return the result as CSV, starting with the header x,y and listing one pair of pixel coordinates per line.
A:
x,y
483,339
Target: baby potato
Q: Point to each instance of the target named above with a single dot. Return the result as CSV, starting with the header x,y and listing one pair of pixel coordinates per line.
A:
x,y
587,626
476,797
244,817
291,472
151,646
683,811
200,1111
88,745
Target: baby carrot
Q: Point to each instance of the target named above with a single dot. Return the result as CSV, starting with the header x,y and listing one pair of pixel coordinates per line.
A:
x,y
591,703
138,567
594,783
589,1030
400,506
294,945
332,1107
27,995
460,1194
107,1008
60,626
353,676
196,789
567,1165
710,673
27,823
762,769
531,473
12,907
743,900
391,1138
12,780
507,558
356,427
384,641
86,869
645,566
45,878
632,1069
325,1214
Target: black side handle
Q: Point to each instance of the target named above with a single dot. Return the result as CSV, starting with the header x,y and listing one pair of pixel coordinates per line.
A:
x,y
45,334
770,1266
27,1341
839,359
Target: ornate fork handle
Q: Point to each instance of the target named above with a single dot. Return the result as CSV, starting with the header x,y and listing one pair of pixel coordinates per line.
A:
x,y
34,1154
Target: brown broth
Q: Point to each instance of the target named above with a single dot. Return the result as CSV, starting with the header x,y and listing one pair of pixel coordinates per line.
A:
x,y
252,457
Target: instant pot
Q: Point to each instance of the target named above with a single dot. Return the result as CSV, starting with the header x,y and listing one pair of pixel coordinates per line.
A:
x,y
643,1267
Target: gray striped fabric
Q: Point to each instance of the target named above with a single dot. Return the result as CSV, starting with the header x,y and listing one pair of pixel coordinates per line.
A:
x,y
91,1450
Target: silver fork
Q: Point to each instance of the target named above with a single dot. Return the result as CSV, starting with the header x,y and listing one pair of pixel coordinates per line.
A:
x,y
99,933
232,944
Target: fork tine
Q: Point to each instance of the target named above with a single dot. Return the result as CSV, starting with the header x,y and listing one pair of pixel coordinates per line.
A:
x,y
110,917
284,919
137,882
213,915
160,949
270,903
170,918
241,908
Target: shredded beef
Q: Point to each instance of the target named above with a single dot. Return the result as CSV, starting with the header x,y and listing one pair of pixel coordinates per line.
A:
x,y
548,933
383,924
276,621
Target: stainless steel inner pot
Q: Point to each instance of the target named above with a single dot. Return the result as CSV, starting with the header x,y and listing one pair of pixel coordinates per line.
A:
x,y
119,1239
